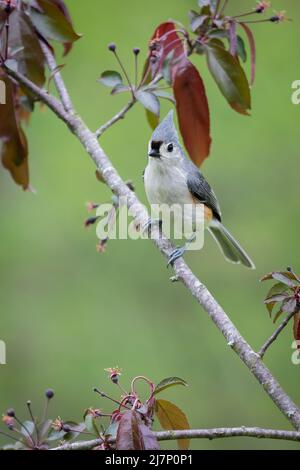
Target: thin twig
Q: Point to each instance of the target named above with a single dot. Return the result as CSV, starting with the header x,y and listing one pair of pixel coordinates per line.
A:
x,y
215,433
60,86
112,178
116,118
275,335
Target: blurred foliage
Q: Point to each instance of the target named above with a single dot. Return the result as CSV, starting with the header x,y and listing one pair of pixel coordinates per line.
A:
x,y
68,312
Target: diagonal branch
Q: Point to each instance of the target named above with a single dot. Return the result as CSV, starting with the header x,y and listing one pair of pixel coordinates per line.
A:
x,y
115,118
183,273
214,433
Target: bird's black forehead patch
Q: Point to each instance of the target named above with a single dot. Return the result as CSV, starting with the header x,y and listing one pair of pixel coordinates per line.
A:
x,y
156,144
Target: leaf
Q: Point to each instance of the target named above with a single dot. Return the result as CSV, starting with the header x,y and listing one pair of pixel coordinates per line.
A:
x,y
112,429
128,434
149,101
63,8
164,40
45,428
172,418
120,88
280,312
252,50
24,42
230,77
149,439
153,119
296,328
27,428
289,306
192,111
110,78
90,423
276,298
282,276
196,21
278,288
76,430
169,382
53,23
132,434
241,50
164,95
14,148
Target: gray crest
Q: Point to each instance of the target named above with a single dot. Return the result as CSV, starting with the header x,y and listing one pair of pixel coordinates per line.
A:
x,y
166,131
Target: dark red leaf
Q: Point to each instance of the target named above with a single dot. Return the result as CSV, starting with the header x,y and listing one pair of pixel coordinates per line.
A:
x,y
164,41
14,150
297,328
192,110
251,40
25,46
63,8
53,22
132,434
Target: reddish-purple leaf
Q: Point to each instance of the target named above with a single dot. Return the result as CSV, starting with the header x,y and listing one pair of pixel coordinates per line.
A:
x,y
297,329
251,40
192,111
164,41
14,149
25,46
132,433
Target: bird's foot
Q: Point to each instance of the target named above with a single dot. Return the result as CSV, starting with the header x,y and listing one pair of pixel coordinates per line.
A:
x,y
177,253
149,224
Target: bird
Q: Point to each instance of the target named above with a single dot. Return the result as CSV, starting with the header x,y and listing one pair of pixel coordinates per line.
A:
x,y
172,178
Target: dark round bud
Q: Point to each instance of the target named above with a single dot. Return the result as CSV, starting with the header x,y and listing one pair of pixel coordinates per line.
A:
x,y
136,51
49,393
260,10
11,413
274,19
289,269
114,378
112,47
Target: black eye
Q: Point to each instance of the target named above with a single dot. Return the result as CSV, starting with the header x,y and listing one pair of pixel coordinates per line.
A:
x,y
170,147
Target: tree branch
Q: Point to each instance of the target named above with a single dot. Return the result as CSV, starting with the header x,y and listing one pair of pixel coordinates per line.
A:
x,y
61,88
275,335
183,273
114,119
214,433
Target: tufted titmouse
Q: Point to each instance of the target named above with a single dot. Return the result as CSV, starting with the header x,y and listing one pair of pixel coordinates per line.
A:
x,y
171,178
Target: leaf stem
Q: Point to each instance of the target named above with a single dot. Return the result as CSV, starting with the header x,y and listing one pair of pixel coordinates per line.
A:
x,y
276,333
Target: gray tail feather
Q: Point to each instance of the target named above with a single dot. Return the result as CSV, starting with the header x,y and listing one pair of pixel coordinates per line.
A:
x,y
229,246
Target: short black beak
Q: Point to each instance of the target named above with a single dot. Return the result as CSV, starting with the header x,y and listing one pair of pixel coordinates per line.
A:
x,y
154,153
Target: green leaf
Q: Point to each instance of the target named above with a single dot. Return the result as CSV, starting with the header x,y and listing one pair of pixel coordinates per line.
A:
x,y
153,119
277,315
52,23
278,288
112,429
28,427
90,423
196,21
230,78
241,49
149,101
169,382
110,78
171,417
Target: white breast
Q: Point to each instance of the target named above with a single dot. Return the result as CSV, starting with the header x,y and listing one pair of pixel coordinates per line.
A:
x,y
165,184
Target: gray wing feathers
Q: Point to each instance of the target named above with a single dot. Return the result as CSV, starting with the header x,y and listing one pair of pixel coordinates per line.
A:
x,y
200,189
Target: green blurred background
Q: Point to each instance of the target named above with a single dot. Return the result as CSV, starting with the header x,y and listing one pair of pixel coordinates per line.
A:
x,y
68,312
